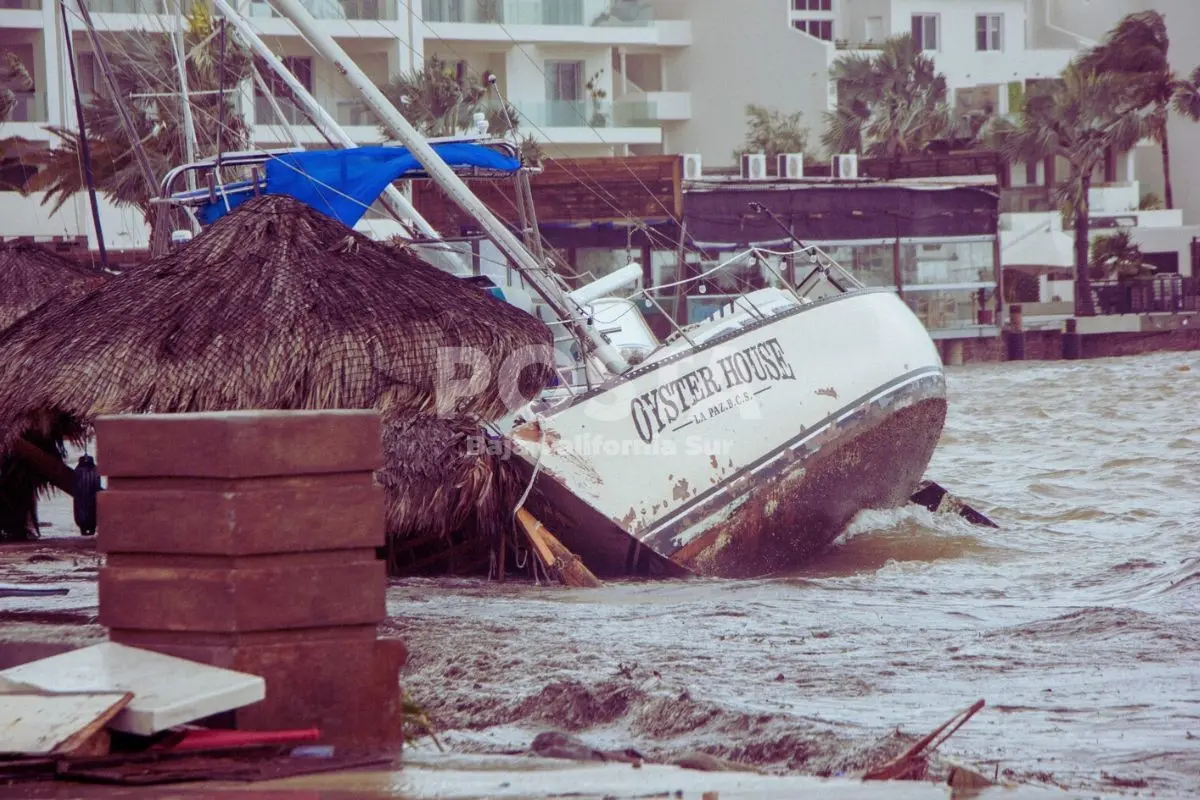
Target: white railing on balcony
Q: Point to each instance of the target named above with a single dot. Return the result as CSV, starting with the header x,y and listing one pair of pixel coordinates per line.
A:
x,y
540,12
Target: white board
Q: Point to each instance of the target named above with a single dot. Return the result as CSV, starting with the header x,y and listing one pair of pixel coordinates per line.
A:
x,y
167,691
36,724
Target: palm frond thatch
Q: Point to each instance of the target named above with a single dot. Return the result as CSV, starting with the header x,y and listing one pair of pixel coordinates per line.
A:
x,y
441,480
30,275
276,306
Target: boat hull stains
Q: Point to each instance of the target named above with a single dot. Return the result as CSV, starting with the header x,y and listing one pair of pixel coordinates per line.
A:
x,y
797,511
753,456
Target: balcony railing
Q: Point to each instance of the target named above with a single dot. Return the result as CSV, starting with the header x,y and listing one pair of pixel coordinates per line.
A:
x,y
540,12
321,9
567,114
1163,293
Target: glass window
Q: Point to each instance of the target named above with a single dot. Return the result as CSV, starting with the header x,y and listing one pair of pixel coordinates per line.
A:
x,y
871,264
948,310
989,32
820,28
947,263
925,31
596,262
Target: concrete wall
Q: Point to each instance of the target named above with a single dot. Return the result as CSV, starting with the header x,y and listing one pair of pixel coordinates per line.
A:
x,y
747,55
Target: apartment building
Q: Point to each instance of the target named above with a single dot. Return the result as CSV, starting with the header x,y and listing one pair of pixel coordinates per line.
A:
x,y
985,48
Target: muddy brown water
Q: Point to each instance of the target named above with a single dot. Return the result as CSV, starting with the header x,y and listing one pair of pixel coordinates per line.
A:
x,y
1078,621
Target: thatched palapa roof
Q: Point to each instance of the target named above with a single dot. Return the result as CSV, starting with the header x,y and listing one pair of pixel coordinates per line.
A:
x,y
276,306
444,483
31,274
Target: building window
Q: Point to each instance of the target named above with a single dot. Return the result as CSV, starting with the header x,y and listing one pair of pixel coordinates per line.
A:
x,y
812,5
820,28
300,66
564,93
925,31
989,32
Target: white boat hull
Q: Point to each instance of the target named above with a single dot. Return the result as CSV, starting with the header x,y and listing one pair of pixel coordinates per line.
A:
x,y
749,454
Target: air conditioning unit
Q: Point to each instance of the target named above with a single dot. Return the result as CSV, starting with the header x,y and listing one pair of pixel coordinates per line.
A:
x,y
791,165
754,166
693,167
845,165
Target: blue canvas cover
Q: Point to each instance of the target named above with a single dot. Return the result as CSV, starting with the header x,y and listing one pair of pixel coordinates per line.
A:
x,y
344,183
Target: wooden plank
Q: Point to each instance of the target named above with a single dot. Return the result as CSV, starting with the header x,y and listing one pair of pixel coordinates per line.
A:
x,y
42,723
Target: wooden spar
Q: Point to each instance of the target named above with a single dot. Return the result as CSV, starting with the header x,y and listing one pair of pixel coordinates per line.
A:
x,y
50,468
554,557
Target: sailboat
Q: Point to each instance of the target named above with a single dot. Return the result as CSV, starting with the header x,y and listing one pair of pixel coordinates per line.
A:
x,y
738,446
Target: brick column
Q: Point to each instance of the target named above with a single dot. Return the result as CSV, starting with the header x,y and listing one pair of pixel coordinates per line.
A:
x,y
248,540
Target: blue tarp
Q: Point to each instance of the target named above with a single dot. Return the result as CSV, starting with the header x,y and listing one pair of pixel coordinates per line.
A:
x,y
344,183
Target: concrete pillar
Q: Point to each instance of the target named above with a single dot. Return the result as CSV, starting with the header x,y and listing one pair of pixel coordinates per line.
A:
x,y
1014,336
248,540
955,346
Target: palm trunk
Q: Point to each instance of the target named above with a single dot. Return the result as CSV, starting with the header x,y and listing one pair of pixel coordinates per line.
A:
x,y
1166,157
1084,307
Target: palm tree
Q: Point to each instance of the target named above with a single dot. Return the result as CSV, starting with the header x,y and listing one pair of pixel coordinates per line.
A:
x,y
889,104
1137,48
772,132
152,95
438,103
1118,256
1079,119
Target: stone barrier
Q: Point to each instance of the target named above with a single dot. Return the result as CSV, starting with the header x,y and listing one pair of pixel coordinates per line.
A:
x,y
249,540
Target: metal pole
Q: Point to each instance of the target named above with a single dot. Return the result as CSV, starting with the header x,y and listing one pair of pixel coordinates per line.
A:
x,y
189,125
325,123
532,270
159,234
84,150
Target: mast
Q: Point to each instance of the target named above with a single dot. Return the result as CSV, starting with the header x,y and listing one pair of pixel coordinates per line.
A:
x,y
158,232
189,126
84,150
325,123
569,311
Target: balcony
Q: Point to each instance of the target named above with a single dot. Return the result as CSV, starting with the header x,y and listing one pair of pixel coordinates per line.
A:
x,y
321,9
653,108
623,13
594,22
584,122
336,9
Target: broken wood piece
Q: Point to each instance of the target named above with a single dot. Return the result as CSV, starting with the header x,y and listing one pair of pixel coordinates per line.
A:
x,y
556,559
52,723
912,759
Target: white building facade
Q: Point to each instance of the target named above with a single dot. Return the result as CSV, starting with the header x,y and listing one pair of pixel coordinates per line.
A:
x,y
602,77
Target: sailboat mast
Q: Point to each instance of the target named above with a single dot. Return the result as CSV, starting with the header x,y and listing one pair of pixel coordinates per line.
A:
x,y
158,233
531,269
84,149
189,126
328,125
